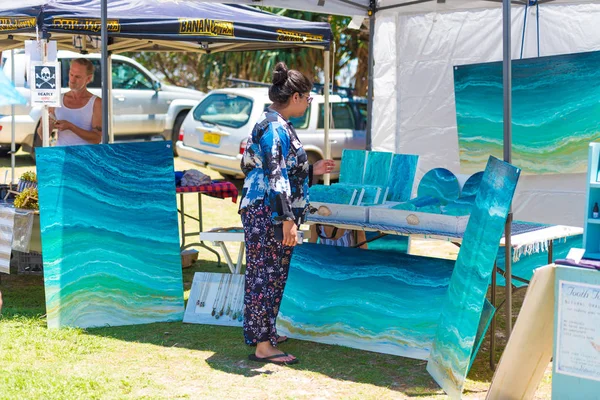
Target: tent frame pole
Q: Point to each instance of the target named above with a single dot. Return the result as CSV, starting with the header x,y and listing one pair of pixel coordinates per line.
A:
x,y
327,110
105,62
507,145
369,144
45,113
109,97
12,123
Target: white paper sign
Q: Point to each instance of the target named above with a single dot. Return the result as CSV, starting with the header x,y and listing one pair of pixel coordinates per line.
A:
x,y
578,330
45,84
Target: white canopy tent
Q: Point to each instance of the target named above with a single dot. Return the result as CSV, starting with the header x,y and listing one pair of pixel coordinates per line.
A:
x,y
361,7
414,105
415,45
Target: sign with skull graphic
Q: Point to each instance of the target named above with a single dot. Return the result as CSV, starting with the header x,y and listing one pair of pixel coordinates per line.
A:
x,y
45,89
45,77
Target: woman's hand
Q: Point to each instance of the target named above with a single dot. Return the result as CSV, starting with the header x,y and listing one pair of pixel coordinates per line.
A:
x,y
323,167
290,237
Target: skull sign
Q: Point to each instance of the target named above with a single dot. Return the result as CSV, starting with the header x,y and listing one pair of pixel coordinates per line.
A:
x,y
45,77
46,74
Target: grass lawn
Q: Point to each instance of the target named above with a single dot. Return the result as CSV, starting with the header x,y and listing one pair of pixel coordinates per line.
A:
x,y
176,360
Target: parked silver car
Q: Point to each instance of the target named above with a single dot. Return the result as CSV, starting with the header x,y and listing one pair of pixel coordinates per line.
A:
x,y
143,108
215,133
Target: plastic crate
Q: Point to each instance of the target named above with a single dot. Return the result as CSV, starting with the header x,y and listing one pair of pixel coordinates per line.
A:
x,y
28,263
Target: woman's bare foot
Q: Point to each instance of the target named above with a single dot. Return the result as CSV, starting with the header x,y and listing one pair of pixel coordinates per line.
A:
x,y
266,349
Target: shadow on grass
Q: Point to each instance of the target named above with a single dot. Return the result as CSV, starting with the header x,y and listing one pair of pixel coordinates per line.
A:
x,y
24,296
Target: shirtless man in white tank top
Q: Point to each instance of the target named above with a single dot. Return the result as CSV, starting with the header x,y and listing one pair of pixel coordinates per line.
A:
x,y
79,120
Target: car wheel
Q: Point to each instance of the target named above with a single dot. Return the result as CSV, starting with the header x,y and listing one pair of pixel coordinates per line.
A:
x,y
176,128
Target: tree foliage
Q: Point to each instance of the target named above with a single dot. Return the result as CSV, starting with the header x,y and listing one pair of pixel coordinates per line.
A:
x,y
209,71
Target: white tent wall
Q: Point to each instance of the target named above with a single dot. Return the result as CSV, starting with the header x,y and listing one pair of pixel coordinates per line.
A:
x,y
414,107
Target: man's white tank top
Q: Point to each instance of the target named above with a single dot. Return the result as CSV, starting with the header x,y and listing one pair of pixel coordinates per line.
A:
x,y
80,117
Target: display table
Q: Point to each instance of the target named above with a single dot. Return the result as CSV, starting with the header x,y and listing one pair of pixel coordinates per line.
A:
x,y
526,237
218,189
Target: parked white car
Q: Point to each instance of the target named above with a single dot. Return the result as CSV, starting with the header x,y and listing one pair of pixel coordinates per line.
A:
x,y
143,108
215,133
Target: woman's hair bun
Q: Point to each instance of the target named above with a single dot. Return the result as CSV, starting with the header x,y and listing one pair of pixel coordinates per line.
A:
x,y
280,74
286,82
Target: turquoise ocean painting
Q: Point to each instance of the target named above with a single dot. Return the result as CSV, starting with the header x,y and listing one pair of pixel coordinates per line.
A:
x,y
461,323
555,111
110,241
382,301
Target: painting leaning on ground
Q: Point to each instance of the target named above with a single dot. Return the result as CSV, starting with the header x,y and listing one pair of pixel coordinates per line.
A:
x,y
555,112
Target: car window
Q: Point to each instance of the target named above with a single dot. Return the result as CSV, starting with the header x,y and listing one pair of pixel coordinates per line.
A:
x,y
128,76
297,122
343,117
224,109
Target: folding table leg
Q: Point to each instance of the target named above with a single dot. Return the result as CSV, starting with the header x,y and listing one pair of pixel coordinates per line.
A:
x,y
227,257
182,220
184,235
238,267
201,228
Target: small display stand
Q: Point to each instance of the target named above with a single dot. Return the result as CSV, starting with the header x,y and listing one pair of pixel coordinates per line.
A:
x,y
576,372
576,366
591,235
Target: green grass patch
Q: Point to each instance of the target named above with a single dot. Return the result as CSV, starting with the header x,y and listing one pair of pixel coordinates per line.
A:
x,y
184,361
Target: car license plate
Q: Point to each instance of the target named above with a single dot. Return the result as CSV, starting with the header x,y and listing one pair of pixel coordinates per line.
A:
x,y
212,138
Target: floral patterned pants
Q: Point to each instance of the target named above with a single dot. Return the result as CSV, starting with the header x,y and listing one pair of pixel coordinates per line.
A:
x,y
267,266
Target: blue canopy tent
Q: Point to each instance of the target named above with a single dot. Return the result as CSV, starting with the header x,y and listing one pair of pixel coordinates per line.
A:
x,y
150,25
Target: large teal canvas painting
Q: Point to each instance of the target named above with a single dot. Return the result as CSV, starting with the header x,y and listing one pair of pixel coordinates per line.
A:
x,y
110,243
459,326
378,300
555,112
